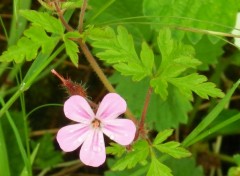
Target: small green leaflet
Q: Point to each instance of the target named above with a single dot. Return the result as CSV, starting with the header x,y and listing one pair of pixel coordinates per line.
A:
x,y
158,169
171,148
71,46
178,58
139,153
119,50
43,19
162,136
115,149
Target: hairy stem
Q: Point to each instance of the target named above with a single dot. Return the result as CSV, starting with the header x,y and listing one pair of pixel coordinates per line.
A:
x,y
81,16
60,15
141,130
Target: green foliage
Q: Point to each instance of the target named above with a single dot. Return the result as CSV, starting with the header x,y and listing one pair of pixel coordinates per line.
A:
x,y
184,167
176,59
14,155
25,49
138,154
115,149
207,52
112,12
208,14
43,19
162,136
160,114
71,46
119,50
47,156
158,169
35,37
171,148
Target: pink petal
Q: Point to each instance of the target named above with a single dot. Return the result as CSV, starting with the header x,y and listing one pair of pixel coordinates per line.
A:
x,y
121,131
77,109
93,152
111,107
72,136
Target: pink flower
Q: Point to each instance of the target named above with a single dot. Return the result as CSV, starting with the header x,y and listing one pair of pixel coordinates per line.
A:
x,y
90,128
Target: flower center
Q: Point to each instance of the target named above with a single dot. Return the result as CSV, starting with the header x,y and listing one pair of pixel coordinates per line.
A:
x,y
96,123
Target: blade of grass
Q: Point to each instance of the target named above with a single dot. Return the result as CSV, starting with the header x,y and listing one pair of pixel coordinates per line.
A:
x,y
4,166
17,135
32,158
216,128
210,117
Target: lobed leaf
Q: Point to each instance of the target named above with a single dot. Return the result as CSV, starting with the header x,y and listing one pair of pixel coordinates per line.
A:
x,y
25,49
71,49
173,148
115,149
198,84
139,153
162,136
158,169
43,19
119,51
178,58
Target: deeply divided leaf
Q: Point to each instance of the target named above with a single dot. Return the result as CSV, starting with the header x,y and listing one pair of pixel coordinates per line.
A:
x,y
25,49
173,148
71,49
118,50
43,19
177,59
138,154
158,169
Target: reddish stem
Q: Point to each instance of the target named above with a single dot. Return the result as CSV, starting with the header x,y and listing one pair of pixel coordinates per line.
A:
x,y
141,130
60,15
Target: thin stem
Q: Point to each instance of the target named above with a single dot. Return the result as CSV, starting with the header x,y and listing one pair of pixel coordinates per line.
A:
x,y
60,15
144,113
81,16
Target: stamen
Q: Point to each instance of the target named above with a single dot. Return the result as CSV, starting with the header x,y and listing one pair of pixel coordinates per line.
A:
x,y
96,123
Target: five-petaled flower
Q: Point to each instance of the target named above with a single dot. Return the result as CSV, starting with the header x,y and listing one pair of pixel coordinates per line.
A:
x,y
90,128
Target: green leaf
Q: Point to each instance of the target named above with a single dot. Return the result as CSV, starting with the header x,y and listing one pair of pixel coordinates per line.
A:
x,y
161,114
111,12
162,136
115,149
39,36
184,167
237,159
119,51
210,117
196,83
72,50
220,16
138,170
25,49
47,156
46,21
158,169
139,153
178,58
147,58
173,148
207,52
